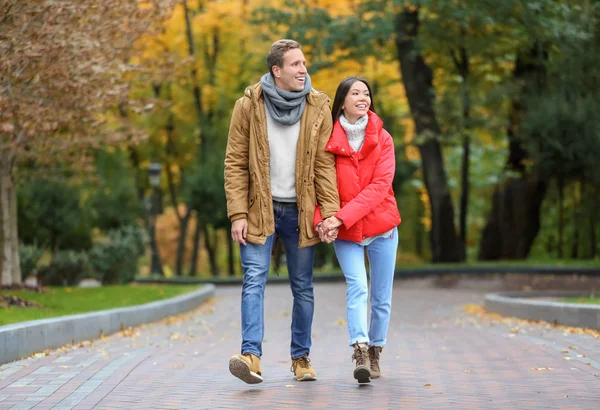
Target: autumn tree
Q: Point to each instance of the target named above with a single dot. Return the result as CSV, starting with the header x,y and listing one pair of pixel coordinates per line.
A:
x,y
383,29
193,71
61,66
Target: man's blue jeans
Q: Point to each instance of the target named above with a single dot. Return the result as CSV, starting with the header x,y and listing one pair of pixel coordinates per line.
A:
x,y
256,260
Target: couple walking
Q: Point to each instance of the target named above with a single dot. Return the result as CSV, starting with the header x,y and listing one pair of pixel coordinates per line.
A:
x,y
298,169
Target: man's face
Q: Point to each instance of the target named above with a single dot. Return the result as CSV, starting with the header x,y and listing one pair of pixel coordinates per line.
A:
x,y
292,75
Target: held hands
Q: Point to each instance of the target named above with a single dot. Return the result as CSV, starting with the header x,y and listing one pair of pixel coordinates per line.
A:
x,y
328,229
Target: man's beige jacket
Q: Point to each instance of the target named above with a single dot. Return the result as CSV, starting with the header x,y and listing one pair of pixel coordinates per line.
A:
x,y
247,177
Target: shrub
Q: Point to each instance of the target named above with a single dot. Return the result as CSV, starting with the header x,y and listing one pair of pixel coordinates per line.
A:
x,y
114,259
67,268
29,256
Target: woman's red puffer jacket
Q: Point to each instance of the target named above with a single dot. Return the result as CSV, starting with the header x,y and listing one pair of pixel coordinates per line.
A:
x,y
364,180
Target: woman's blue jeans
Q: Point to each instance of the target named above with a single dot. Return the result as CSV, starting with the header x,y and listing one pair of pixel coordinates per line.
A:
x,y
382,261
256,260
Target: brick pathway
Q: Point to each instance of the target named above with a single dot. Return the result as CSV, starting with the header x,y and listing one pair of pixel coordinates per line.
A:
x,y
437,357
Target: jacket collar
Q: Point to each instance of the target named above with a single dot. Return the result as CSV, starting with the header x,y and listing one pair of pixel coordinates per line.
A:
x,y
338,143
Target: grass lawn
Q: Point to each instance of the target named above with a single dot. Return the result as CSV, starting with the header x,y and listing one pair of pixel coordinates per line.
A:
x,y
595,300
67,301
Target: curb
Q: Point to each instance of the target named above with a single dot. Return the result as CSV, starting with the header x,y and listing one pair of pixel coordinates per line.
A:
x,y
403,273
519,304
20,340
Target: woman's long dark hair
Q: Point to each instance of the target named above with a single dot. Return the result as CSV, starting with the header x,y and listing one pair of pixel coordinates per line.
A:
x,y
342,92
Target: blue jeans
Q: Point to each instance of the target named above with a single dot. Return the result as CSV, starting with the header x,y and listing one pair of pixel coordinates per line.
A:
x,y
382,261
256,260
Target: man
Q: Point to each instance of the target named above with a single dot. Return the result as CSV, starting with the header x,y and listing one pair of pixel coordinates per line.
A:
x,y
276,171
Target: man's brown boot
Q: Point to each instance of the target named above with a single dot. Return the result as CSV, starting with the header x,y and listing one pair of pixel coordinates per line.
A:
x,y
374,352
246,367
362,372
302,369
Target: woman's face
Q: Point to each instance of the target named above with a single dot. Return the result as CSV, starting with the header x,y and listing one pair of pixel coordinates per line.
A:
x,y
357,102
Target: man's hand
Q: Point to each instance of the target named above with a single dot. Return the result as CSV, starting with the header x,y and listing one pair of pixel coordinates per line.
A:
x,y
239,230
325,235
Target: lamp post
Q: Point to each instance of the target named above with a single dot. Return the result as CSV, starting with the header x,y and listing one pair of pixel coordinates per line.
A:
x,y
154,179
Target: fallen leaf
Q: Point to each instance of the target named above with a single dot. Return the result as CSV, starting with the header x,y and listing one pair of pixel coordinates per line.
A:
x,y
64,367
565,351
428,385
468,371
567,358
289,385
340,322
542,368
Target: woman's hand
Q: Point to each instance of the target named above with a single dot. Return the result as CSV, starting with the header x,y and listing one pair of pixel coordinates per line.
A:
x,y
332,223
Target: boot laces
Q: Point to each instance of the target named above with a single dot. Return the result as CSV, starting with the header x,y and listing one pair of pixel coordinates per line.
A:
x,y
302,362
374,353
360,355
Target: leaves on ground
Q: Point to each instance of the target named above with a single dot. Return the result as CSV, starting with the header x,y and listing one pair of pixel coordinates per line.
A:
x,y
520,325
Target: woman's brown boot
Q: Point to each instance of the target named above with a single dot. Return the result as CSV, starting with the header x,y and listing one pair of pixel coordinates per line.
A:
x,y
374,352
362,372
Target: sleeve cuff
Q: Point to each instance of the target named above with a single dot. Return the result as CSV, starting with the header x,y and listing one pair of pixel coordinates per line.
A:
x,y
235,217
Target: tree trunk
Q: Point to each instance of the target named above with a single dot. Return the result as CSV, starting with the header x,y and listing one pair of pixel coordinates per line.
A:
x,y
514,220
417,78
593,224
9,235
561,217
418,224
578,206
183,228
195,248
231,256
211,249
461,63
16,268
196,90
464,194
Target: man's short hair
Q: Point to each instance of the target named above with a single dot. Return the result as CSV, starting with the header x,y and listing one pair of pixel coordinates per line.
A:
x,y
278,49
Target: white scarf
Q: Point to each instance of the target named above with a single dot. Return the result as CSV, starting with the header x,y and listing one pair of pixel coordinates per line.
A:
x,y
355,132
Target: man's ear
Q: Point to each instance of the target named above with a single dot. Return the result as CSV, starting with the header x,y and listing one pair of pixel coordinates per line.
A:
x,y
276,71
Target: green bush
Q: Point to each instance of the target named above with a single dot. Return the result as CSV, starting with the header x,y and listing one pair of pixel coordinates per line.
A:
x,y
29,256
114,259
54,215
67,268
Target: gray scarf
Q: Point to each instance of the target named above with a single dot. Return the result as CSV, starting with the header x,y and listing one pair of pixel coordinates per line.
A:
x,y
285,107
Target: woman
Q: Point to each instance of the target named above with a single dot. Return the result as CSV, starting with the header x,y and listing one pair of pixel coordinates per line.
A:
x,y
368,219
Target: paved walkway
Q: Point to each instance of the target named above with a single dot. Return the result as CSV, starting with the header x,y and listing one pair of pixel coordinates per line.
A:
x,y
437,357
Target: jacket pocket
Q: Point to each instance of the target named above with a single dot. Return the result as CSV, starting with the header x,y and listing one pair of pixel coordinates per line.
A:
x,y
309,204
255,217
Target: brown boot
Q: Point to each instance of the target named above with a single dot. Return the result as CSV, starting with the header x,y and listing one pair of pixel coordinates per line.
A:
x,y
302,369
246,367
374,352
362,372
